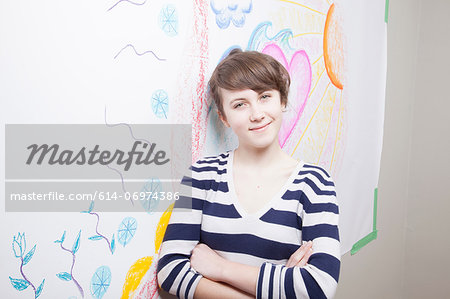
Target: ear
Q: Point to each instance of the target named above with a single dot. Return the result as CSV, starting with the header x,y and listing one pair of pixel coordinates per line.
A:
x,y
283,107
223,119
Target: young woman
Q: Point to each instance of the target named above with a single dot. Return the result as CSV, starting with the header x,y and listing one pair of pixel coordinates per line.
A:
x,y
262,224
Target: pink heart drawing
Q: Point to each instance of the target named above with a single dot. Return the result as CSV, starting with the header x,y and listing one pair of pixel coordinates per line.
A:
x,y
300,72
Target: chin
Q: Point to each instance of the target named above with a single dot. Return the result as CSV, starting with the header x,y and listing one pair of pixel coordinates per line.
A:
x,y
262,144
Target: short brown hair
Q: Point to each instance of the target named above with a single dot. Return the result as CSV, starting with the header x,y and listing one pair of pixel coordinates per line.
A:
x,y
250,69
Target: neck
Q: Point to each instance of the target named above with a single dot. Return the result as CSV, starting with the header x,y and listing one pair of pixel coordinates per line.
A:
x,y
259,157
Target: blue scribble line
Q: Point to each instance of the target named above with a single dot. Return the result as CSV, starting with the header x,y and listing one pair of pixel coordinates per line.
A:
x,y
120,174
69,276
99,236
139,54
134,3
129,129
134,138
19,246
121,178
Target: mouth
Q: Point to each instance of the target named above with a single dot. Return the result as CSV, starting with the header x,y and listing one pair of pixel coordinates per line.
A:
x,y
260,128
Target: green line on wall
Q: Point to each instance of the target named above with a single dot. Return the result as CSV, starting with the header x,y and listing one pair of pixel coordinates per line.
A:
x,y
386,11
373,235
375,204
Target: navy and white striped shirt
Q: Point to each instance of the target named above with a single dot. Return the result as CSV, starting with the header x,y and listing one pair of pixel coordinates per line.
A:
x,y
304,209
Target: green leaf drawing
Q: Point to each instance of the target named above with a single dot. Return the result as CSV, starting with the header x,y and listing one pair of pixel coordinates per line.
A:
x,y
29,255
113,244
19,284
76,245
64,276
39,289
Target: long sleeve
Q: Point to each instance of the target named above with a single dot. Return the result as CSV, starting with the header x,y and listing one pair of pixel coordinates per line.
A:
x,y
320,217
174,271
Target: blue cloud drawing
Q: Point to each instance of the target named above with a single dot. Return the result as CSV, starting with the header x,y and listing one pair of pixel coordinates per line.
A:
x,y
168,20
100,282
160,103
153,185
230,10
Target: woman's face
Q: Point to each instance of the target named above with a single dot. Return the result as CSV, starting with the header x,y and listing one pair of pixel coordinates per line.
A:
x,y
254,117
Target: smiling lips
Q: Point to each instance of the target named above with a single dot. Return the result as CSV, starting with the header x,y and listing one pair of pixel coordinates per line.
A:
x,y
261,128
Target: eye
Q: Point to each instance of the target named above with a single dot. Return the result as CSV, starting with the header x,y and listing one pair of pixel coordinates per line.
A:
x,y
238,105
265,96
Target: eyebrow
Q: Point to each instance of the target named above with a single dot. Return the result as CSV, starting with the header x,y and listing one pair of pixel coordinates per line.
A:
x,y
237,99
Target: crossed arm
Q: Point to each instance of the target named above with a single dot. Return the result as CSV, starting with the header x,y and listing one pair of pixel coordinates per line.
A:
x,y
190,269
226,279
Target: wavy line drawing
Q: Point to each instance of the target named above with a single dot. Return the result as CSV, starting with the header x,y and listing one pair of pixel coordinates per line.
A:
x,y
139,54
109,125
131,2
99,236
65,276
19,246
121,179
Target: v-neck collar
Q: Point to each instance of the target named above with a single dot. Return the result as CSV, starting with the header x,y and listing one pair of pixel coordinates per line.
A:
x,y
235,200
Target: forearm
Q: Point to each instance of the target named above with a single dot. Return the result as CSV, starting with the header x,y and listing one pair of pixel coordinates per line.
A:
x,y
243,277
210,289
216,268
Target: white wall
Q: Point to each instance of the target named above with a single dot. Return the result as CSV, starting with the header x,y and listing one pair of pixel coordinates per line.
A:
x,y
428,213
410,257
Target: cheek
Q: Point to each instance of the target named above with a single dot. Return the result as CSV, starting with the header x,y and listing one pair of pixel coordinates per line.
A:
x,y
276,108
238,120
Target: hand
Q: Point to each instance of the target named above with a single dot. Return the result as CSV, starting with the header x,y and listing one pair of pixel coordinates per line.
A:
x,y
207,262
301,256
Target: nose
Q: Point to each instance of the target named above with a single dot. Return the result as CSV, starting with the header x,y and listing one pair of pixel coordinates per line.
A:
x,y
256,113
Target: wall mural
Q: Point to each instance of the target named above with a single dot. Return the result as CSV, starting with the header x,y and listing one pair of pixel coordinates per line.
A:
x,y
123,62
